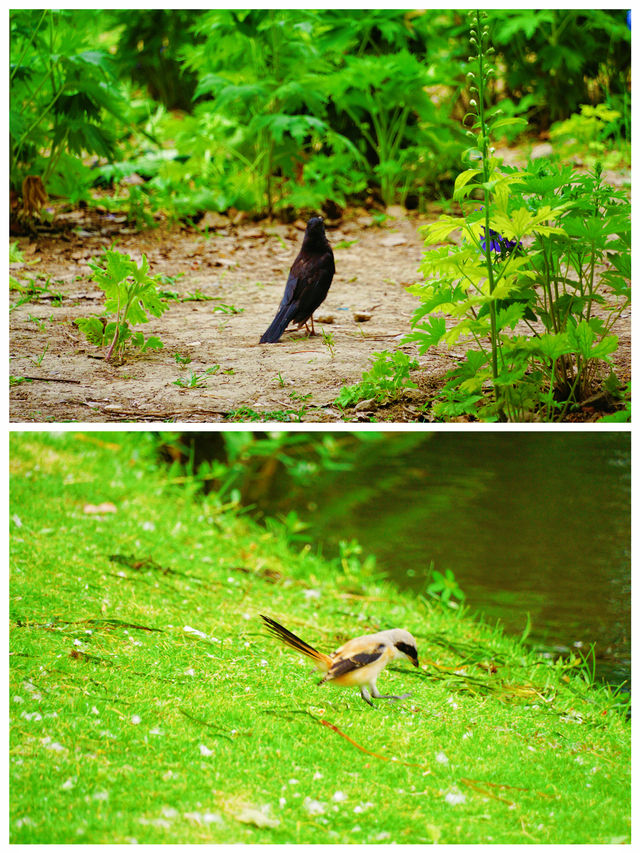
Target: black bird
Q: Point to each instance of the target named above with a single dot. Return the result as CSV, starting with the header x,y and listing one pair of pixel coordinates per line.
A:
x,y
308,283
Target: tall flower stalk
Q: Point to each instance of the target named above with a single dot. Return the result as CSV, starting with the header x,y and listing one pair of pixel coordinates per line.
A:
x,y
478,80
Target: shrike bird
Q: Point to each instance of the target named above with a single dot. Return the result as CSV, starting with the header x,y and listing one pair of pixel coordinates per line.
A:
x,y
358,662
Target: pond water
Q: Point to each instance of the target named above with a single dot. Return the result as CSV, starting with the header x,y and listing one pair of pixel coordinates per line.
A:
x,y
529,523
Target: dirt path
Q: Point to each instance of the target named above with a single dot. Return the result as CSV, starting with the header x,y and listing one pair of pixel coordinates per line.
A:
x,y
240,268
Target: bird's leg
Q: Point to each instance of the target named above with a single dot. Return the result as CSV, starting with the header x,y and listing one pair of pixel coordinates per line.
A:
x,y
310,331
365,695
377,695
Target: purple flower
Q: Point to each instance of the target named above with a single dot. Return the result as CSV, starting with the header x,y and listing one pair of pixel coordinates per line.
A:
x,y
499,244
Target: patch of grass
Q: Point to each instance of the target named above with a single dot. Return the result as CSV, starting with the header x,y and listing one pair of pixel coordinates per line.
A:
x,y
245,413
147,703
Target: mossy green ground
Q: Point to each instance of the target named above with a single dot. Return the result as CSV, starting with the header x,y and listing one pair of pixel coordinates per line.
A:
x,y
147,702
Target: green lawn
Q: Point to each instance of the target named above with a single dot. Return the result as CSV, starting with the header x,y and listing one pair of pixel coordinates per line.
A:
x,y
147,703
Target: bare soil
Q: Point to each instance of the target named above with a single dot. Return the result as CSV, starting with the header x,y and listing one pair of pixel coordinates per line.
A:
x,y
228,266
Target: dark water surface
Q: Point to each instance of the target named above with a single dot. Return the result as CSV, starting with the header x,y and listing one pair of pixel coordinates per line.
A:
x,y
533,522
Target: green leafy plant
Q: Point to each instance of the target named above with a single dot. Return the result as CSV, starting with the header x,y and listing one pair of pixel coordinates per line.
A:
x,y
65,99
524,282
594,134
269,121
131,293
387,378
444,587
558,58
386,98
622,394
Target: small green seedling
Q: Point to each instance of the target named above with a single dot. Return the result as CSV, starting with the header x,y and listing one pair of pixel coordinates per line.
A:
x,y
41,324
196,380
182,360
302,398
38,359
327,340
130,293
228,309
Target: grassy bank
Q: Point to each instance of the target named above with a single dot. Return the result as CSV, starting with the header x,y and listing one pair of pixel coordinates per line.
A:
x,y
148,703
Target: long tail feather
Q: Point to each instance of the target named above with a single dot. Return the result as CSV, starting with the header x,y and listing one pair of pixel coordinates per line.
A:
x,y
321,660
279,324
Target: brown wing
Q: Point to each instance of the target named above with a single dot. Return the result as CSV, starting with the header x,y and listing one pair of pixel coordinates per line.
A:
x,y
357,661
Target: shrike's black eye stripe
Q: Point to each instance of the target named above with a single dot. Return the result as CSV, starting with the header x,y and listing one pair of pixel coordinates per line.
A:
x,y
408,650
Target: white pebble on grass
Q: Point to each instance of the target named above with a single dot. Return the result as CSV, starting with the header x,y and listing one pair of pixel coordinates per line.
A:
x,y
455,797
189,630
313,807
156,821
339,797
311,593
136,720
33,715
441,758
204,750
169,811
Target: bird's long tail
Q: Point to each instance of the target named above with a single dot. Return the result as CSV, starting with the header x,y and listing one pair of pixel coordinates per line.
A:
x,y
279,324
322,661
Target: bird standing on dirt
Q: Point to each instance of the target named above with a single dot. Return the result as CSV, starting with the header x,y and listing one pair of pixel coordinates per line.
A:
x,y
308,283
